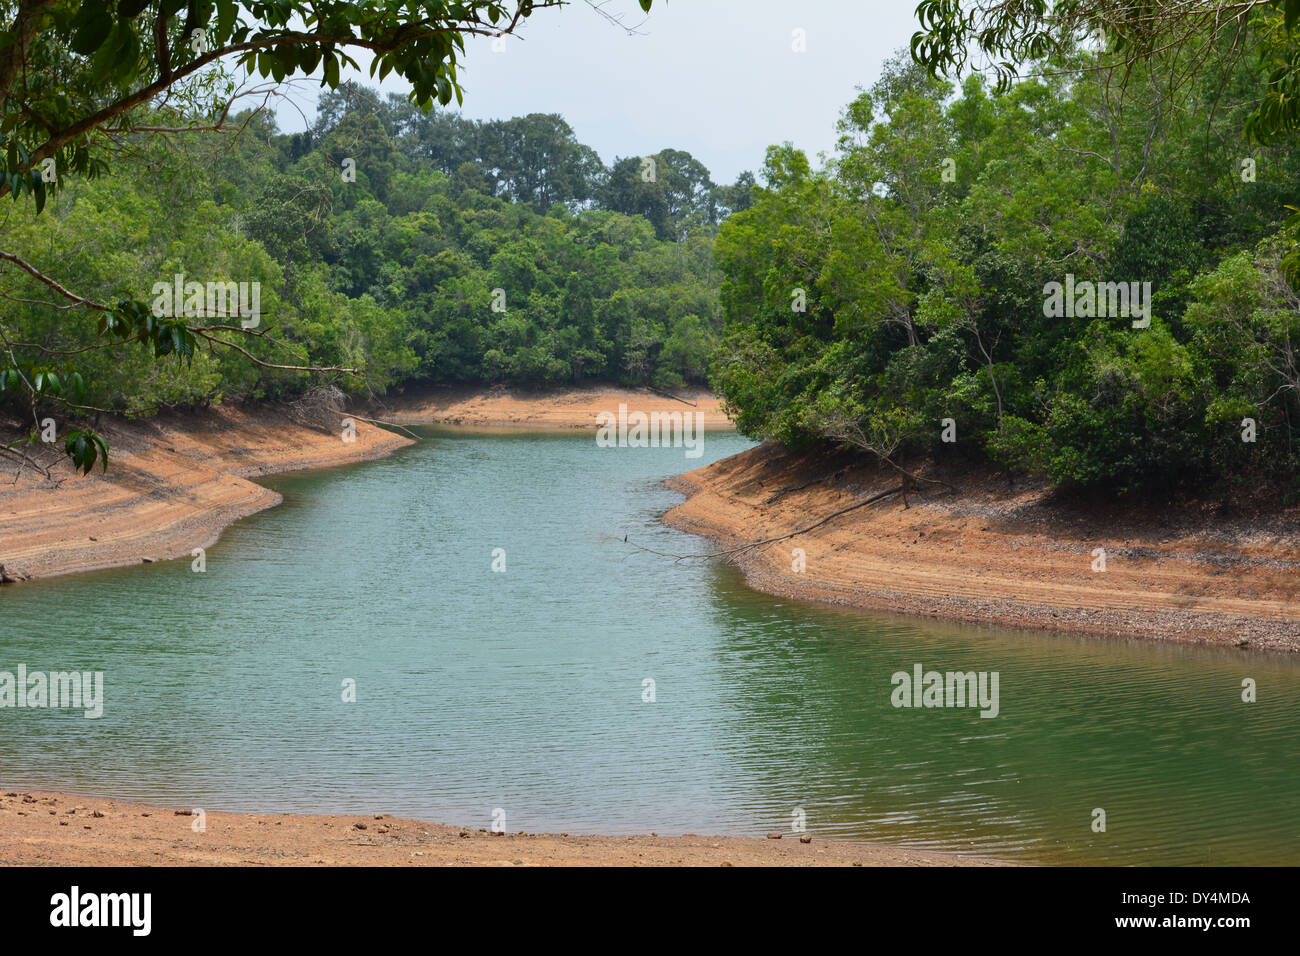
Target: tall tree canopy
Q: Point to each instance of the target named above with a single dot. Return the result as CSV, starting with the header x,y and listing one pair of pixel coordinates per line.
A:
x,y
80,83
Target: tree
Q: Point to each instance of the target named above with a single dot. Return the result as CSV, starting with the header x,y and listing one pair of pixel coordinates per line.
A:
x,y
78,80
1192,39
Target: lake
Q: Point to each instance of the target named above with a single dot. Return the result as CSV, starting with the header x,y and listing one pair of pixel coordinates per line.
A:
x,y
525,691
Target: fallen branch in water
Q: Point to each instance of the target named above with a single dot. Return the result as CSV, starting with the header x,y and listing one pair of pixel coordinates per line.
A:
x,y
380,421
676,398
781,537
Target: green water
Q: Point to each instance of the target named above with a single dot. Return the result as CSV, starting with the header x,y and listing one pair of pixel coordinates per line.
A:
x,y
523,690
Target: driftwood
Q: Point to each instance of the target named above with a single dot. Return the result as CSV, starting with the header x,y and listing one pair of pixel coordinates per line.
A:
x,y
676,398
816,481
880,496
380,421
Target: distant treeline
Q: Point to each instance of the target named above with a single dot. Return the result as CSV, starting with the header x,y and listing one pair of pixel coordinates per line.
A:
x,y
414,248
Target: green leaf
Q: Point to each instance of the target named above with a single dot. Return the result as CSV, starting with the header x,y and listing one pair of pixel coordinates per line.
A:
x,y
91,27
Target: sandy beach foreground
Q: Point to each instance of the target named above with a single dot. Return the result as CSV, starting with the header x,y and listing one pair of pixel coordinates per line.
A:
x,y
57,829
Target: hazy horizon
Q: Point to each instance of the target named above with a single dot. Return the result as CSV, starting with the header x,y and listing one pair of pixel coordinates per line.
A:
x,y
690,78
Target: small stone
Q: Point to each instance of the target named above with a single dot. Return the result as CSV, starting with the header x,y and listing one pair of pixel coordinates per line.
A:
x,y
805,838
358,826
727,863
463,834
63,823
379,816
774,836
183,813
97,814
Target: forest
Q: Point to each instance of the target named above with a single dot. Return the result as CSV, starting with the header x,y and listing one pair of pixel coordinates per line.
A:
x,y
410,247
903,298
906,299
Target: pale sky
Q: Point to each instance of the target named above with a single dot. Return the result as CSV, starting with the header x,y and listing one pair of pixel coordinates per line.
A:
x,y
718,78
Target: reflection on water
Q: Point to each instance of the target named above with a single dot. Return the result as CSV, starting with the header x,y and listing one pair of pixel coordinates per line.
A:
x,y
523,690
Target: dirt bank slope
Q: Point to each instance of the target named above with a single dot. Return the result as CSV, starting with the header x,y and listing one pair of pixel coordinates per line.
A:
x,y
173,483
1008,557
55,829
574,408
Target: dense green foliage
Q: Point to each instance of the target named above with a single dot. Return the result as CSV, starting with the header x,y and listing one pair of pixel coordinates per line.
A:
x,y
371,257
83,85
907,284
896,300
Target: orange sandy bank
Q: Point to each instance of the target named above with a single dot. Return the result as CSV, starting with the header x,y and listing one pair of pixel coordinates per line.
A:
x,y
173,483
55,829
575,408
992,555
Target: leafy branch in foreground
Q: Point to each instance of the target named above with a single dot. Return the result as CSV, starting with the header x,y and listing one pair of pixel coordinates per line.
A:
x,y
69,69
72,73
1203,38
129,321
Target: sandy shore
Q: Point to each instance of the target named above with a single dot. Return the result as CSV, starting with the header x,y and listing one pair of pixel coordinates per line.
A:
x,y
995,555
173,484
575,408
176,481
57,829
